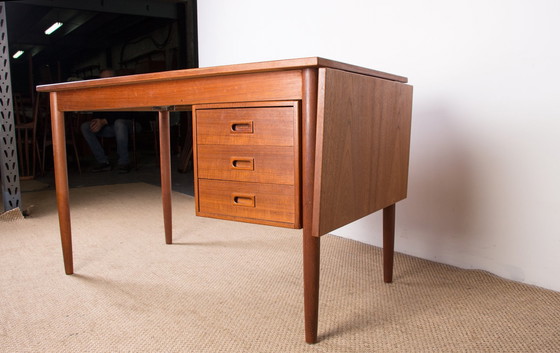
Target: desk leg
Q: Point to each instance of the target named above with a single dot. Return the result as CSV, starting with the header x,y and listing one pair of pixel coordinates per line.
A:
x,y
311,244
61,183
165,167
311,260
388,242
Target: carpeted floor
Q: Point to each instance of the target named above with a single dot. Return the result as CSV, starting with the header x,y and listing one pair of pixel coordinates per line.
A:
x,y
235,287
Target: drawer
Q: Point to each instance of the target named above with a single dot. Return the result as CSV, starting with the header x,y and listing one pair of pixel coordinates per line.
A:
x,y
251,202
246,126
263,164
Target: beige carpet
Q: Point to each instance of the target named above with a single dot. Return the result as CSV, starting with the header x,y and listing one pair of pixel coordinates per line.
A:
x,y
234,287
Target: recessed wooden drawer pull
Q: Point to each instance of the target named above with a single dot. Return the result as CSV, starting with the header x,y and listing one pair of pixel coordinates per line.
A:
x,y
242,163
246,200
242,127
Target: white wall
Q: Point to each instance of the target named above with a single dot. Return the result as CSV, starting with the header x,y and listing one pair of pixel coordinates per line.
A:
x,y
485,164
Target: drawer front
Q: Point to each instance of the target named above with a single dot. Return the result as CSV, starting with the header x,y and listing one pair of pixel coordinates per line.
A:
x,y
265,164
246,201
246,126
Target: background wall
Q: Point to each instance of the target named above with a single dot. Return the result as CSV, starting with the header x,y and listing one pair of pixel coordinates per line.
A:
x,y
485,167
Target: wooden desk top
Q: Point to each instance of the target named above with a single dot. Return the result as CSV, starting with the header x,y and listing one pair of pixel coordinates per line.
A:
x,y
279,65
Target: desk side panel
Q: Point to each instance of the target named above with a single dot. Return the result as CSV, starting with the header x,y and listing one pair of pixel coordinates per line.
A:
x,y
363,142
283,85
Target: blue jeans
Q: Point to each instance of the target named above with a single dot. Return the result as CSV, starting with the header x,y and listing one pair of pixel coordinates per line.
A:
x,y
120,130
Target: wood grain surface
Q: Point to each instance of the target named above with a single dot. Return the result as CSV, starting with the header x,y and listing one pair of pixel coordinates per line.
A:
x,y
363,140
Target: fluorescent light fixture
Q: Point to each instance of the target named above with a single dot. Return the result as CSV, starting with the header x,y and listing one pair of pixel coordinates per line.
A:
x,y
18,54
53,28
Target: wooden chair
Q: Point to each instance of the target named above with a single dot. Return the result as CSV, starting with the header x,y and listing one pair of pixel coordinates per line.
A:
x,y
26,135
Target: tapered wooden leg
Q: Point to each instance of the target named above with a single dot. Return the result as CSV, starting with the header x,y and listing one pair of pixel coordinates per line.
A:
x,y
61,183
165,167
388,242
311,244
311,260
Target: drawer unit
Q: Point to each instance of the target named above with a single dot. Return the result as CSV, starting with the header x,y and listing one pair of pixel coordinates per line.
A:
x,y
247,165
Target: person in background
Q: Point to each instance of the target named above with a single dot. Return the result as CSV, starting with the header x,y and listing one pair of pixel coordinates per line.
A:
x,y
109,124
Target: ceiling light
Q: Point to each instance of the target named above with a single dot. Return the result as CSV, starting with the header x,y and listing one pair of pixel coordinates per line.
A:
x,y
18,54
53,28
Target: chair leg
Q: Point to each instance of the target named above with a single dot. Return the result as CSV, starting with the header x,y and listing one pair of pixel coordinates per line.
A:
x,y
36,157
73,138
34,153
134,160
185,158
43,166
24,145
155,130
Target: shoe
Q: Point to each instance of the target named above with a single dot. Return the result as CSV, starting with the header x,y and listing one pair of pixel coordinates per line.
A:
x,y
123,169
101,167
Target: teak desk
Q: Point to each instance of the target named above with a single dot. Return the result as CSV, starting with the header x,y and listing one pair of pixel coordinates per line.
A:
x,y
310,143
